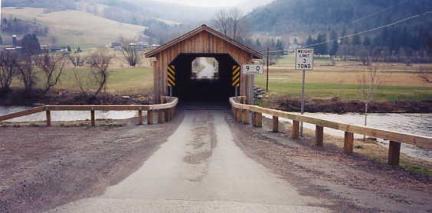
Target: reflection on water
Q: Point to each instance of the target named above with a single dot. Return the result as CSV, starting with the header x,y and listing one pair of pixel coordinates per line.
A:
x,y
67,115
417,124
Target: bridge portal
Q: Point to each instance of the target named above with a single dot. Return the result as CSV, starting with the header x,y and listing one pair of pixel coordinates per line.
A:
x,y
173,66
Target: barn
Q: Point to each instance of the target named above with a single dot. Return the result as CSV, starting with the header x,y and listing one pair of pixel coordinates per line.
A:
x,y
173,66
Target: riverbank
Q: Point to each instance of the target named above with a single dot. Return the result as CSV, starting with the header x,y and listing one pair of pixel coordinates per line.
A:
x,y
336,105
18,98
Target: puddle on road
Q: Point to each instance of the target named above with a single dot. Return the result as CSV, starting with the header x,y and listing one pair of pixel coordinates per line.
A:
x,y
200,147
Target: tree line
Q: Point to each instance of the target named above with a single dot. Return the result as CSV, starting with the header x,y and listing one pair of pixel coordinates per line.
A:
x,y
31,66
390,45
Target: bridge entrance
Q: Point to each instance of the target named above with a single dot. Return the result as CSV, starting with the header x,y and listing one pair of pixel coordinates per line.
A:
x,y
202,65
203,77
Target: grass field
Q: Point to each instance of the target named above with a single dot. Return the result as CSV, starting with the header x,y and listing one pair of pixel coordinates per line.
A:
x,y
76,28
396,81
121,81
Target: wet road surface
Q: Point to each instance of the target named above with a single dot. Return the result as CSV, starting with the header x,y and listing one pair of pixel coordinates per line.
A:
x,y
199,169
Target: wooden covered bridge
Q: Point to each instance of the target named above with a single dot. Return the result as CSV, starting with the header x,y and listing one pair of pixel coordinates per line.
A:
x,y
173,66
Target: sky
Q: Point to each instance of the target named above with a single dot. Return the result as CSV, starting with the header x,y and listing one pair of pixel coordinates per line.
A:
x,y
241,4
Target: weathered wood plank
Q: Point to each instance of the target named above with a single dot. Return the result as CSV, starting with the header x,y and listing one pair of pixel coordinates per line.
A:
x,y
394,153
150,117
22,113
295,134
349,143
319,135
419,141
275,124
92,118
48,118
140,117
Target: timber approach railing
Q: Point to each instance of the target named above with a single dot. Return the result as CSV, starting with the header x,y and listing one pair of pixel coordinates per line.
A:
x,y
242,113
164,112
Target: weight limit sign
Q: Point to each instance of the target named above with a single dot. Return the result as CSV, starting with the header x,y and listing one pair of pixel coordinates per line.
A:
x,y
304,59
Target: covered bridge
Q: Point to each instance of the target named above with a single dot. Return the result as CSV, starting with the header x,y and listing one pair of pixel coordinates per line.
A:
x,y
174,60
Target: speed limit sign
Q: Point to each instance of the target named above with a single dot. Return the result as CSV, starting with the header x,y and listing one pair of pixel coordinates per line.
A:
x,y
252,69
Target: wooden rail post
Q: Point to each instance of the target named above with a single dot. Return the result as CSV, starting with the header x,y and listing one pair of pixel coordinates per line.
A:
x,y
394,153
48,118
238,115
160,115
246,119
150,117
140,117
257,119
349,143
92,117
319,135
173,110
295,134
275,124
167,115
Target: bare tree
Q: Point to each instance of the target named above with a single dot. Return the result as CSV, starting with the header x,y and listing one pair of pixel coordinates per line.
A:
x,y
8,69
52,66
76,59
130,52
229,22
26,73
369,83
99,63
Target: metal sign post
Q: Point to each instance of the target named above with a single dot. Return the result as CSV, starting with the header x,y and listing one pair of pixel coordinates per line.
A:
x,y
304,62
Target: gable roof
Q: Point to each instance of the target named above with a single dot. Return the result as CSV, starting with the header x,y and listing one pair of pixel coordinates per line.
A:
x,y
204,28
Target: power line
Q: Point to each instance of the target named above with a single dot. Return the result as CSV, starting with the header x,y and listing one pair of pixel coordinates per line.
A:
x,y
374,29
377,12
363,32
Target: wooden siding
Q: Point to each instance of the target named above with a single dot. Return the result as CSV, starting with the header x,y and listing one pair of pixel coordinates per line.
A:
x,y
203,42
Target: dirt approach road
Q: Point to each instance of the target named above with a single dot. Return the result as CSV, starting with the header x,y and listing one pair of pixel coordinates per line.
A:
x,y
200,169
201,162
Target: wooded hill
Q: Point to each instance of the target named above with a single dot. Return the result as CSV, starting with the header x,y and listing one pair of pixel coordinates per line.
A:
x,y
312,16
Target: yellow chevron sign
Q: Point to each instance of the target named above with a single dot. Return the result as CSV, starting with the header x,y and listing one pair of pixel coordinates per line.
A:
x,y
171,76
236,76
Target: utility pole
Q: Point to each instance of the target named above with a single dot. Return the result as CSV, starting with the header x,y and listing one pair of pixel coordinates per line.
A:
x,y
267,81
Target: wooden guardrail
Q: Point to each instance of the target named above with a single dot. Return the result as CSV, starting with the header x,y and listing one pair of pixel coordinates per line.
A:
x,y
243,111
164,112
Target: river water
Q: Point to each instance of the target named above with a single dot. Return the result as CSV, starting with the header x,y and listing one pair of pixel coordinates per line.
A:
x,y
67,115
418,124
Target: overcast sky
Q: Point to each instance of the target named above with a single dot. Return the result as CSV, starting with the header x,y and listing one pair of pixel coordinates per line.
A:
x,y
242,4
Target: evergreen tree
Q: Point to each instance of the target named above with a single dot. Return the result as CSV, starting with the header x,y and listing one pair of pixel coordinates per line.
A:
x,y
279,45
30,44
335,43
322,48
367,41
309,41
356,41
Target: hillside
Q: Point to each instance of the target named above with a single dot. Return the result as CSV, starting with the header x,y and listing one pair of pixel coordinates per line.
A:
x,y
312,16
75,28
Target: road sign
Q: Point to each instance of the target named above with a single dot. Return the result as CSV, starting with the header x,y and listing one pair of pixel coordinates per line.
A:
x,y
252,69
304,59
236,76
171,76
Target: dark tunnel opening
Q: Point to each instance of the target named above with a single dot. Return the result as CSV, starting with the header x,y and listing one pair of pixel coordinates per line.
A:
x,y
200,85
